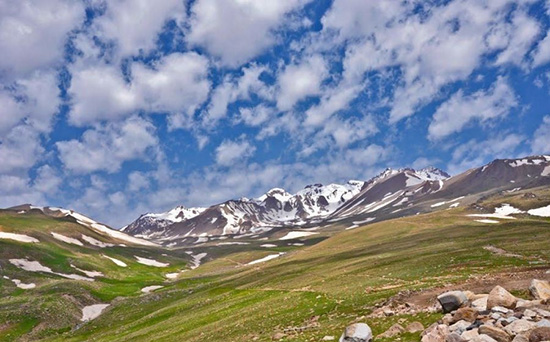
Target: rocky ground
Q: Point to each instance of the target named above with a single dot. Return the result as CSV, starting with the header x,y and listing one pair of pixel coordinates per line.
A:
x,y
497,316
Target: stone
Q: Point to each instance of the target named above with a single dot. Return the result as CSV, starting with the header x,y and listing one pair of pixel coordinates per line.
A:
x,y
452,300
414,327
480,304
540,289
543,323
357,332
435,333
505,321
519,326
459,327
483,338
394,330
500,297
328,338
466,314
498,334
522,303
500,309
540,334
529,313
470,334
520,338
454,337
388,312
542,312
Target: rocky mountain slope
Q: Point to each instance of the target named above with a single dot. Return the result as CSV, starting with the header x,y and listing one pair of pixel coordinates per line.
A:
x,y
391,194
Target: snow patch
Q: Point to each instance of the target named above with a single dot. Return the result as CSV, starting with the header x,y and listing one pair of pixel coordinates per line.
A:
x,y
116,261
35,266
546,171
151,262
91,274
352,227
296,234
543,212
487,221
22,285
268,245
501,212
367,220
18,237
92,311
229,243
266,258
95,242
66,239
151,288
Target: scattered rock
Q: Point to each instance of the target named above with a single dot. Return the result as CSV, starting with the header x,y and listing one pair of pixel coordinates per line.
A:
x,y
414,327
500,297
466,314
452,300
357,332
484,338
328,338
540,334
498,334
519,326
394,330
277,336
435,333
520,338
540,289
480,304
470,334
454,337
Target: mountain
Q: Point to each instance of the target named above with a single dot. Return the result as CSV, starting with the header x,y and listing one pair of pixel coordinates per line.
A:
x,y
391,194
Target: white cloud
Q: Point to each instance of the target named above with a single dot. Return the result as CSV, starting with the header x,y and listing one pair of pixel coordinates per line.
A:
x,y
522,34
298,81
134,25
19,150
138,181
109,146
460,109
33,33
230,152
177,83
237,30
541,55
475,153
541,139
47,180
255,116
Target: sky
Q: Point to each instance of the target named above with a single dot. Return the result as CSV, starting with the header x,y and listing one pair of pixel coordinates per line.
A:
x,y
121,107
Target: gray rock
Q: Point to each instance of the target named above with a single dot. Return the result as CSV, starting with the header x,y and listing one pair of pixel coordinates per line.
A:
x,y
483,338
519,326
460,326
436,333
454,337
500,309
452,300
542,313
543,323
520,338
470,334
480,304
358,332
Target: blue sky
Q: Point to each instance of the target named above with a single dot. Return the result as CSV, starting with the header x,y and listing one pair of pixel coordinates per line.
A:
x,y
117,108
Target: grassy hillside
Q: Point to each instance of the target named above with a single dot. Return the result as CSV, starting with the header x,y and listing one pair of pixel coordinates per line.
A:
x,y
308,293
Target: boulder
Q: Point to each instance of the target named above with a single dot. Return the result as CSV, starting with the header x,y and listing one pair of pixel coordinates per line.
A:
x,y
498,334
465,314
500,297
483,338
414,327
480,304
394,330
540,289
519,326
469,335
358,332
520,338
454,337
452,300
435,333
540,334
543,323
459,327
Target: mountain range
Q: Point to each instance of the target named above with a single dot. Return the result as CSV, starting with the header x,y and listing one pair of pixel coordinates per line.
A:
x,y
391,194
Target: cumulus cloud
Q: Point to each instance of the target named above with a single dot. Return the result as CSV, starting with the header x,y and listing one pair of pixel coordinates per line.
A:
x,y
298,81
230,152
176,83
483,105
541,139
133,25
541,55
33,33
218,26
107,147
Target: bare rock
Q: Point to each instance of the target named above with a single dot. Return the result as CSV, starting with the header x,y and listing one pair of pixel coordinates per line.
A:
x,y
519,326
500,297
540,289
454,337
498,334
394,330
452,300
414,327
357,332
484,338
278,336
465,314
540,334
469,335
480,304
520,338
435,333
